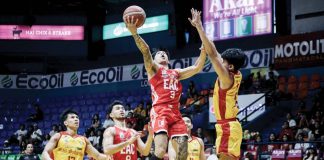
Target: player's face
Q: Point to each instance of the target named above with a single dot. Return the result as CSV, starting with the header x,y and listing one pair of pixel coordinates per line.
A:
x,y
72,121
161,58
188,123
29,149
227,65
118,111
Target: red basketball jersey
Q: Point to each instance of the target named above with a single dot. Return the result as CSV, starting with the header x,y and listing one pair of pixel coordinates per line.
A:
x,y
166,87
129,152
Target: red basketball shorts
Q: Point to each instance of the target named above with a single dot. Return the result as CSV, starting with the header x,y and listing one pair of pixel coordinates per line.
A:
x,y
169,120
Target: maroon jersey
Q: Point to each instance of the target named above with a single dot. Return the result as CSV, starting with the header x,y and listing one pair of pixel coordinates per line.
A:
x,y
166,87
129,152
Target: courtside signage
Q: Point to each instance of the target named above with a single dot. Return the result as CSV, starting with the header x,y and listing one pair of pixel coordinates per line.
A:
x,y
152,24
41,32
243,101
255,59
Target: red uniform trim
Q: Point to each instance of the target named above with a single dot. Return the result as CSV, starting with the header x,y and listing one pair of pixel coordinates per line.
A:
x,y
225,138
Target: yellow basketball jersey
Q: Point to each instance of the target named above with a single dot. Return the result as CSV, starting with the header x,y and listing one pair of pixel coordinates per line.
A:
x,y
69,148
194,149
225,100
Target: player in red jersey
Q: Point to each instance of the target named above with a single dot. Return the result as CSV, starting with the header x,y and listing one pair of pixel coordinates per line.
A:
x,y
166,90
120,142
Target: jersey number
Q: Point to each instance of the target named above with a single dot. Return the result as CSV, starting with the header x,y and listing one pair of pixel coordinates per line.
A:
x,y
172,94
71,158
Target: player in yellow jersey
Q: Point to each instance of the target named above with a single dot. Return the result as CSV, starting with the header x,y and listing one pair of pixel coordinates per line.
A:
x,y
68,145
226,65
195,144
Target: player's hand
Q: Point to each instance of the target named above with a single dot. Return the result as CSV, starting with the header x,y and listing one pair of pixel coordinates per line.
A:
x,y
195,19
131,24
133,138
102,157
150,129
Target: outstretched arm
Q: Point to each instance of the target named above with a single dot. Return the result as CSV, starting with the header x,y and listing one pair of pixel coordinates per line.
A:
x,y
210,48
94,152
149,64
194,69
144,149
50,146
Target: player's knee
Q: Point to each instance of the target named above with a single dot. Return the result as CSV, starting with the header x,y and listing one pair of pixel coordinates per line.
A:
x,y
160,152
183,154
183,147
161,144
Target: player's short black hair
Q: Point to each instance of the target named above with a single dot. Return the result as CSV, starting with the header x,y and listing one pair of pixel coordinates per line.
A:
x,y
65,113
155,50
187,116
234,56
111,106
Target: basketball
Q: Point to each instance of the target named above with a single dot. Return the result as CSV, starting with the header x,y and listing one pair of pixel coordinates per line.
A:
x,y
137,12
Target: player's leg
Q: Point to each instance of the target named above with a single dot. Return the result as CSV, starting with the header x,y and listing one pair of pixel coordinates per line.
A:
x,y
228,141
235,139
172,153
160,146
225,156
179,135
222,139
180,145
160,127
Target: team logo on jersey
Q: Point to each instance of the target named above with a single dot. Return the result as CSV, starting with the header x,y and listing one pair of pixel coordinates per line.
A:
x,y
65,139
164,74
121,136
81,143
161,123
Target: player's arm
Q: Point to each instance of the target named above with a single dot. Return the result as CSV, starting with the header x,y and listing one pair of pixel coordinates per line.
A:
x,y
211,50
50,146
144,149
93,152
109,147
194,69
149,64
202,148
171,151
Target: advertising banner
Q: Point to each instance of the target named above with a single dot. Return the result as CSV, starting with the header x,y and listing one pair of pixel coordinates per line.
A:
x,y
226,19
303,50
255,59
41,32
152,24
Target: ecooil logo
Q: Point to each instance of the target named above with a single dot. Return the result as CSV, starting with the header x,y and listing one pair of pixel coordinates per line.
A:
x,y
135,72
6,82
207,65
74,79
